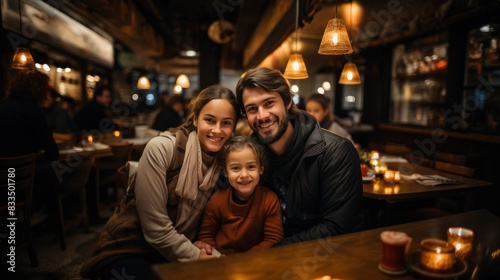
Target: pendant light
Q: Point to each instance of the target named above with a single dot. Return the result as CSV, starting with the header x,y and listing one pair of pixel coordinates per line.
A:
x,y
335,39
296,67
183,81
22,57
350,74
143,83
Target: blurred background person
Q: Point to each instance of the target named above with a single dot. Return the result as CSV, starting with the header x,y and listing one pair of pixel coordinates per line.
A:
x,y
25,130
318,105
58,119
95,114
170,115
68,104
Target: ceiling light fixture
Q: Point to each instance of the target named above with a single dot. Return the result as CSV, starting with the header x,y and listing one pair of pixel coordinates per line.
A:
x,y
335,39
22,57
350,74
143,83
296,67
183,81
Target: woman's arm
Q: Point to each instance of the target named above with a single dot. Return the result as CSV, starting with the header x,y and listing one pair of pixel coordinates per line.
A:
x,y
210,223
151,198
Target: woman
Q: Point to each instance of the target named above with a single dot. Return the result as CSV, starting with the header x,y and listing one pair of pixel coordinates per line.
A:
x,y
158,220
317,106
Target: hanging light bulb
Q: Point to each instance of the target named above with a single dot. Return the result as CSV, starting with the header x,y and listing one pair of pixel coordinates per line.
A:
x,y
335,39
350,75
296,67
183,81
22,57
143,83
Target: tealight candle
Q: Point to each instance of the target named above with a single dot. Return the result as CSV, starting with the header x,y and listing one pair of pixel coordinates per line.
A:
x,y
389,176
90,139
397,176
116,133
436,254
461,238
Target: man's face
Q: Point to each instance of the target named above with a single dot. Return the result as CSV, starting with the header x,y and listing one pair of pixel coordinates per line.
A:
x,y
266,114
105,98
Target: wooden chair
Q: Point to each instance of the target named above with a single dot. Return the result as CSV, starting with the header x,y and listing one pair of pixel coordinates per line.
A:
x,y
455,169
72,181
22,172
107,168
65,140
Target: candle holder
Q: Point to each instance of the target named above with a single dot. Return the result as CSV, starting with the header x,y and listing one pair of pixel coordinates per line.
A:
x,y
392,177
461,239
436,255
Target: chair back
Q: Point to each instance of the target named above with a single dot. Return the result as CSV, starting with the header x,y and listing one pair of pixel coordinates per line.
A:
x,y
121,154
74,175
455,169
17,175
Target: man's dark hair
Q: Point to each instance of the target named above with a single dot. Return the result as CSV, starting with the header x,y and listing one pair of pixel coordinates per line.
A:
x,y
269,80
100,90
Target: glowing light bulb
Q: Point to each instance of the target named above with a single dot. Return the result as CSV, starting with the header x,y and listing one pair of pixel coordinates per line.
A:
x,y
23,58
295,66
335,38
349,75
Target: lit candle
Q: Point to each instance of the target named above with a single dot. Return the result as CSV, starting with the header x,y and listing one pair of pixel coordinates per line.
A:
x,y
90,139
397,176
116,133
389,176
436,255
461,238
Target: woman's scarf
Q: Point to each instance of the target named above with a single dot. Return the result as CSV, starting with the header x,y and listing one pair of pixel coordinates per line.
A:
x,y
194,185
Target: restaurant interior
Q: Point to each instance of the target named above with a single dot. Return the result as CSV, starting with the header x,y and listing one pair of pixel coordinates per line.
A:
x,y
415,83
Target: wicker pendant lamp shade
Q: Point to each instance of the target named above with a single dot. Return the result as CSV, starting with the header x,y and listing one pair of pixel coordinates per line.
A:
x,y
350,75
296,67
335,39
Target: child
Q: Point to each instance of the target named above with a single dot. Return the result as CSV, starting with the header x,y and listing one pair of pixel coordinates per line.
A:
x,y
246,216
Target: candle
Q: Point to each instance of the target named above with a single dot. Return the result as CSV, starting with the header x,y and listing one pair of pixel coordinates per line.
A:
x,y
116,133
461,238
90,139
389,176
436,255
397,176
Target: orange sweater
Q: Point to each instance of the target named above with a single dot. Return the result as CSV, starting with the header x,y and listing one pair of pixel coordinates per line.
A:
x,y
233,228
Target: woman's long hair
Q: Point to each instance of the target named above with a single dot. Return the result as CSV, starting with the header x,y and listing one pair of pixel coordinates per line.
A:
x,y
29,85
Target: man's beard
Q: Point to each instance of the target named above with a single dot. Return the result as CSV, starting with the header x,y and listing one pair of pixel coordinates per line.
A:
x,y
270,138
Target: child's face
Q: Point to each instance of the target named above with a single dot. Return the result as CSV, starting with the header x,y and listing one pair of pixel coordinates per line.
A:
x,y
243,171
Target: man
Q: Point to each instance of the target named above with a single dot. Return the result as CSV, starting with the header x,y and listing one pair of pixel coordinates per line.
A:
x,y
58,119
314,172
94,116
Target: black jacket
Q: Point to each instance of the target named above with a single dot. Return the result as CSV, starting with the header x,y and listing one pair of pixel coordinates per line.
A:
x,y
319,179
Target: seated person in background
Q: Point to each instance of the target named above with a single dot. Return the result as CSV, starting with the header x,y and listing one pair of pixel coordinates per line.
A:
x,y
318,105
25,130
58,119
94,116
314,172
68,104
170,115
245,216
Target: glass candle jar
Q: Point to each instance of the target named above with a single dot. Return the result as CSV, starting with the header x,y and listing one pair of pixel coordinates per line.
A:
x,y
436,254
461,239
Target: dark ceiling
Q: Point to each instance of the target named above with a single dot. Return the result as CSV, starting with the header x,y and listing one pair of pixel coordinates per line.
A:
x,y
158,31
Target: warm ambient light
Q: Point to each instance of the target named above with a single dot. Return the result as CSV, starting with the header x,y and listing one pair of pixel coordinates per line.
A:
x,y
143,83
335,39
350,75
326,85
22,59
296,67
183,81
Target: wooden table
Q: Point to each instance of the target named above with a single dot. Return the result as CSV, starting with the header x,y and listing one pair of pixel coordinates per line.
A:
x,y
389,194
350,256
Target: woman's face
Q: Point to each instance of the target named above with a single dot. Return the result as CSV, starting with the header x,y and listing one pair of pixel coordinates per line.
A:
x,y
316,110
215,124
